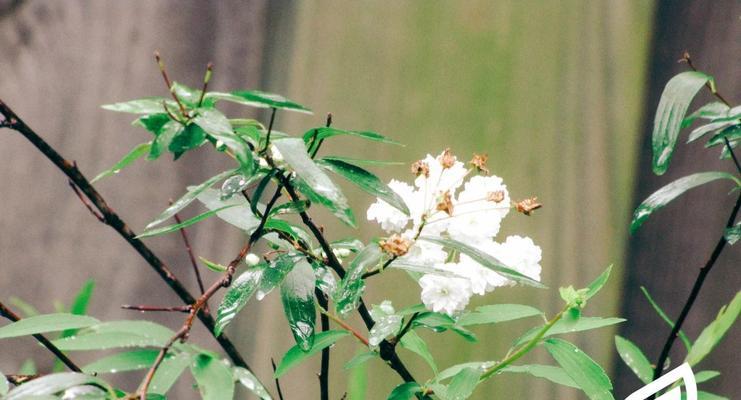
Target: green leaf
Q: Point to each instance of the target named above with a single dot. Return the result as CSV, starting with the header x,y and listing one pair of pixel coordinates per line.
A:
x,y
570,326
212,265
239,293
666,194
412,342
367,182
149,105
54,383
191,137
239,215
256,98
292,207
115,334
297,295
27,310
176,227
46,323
217,125
682,336
598,283
387,323
80,303
214,378
714,332
295,355
733,234
581,368
138,151
357,384
275,273
188,198
168,372
634,359
484,259
328,132
152,122
128,361
349,290
250,381
405,391
164,138
4,385
377,163
463,383
707,128
360,358
259,190
313,182
708,111
704,376
554,374
185,94
28,368
672,108
496,313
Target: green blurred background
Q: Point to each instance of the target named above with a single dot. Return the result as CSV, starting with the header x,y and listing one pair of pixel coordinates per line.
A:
x,y
554,91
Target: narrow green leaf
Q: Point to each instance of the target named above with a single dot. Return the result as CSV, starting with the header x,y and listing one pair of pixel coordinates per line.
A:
x,y
212,265
666,194
168,373
731,133
634,359
704,376
366,181
259,190
682,336
152,122
4,385
496,313
570,326
128,361
213,377
714,332
322,189
412,342
149,105
295,355
164,138
107,340
703,130
708,111
27,309
297,295
191,137
185,94
405,391
138,151
598,283
46,323
238,215
80,303
217,125
176,227
55,383
357,161
250,381
733,234
275,273
581,368
239,293
484,259
328,132
359,359
28,368
672,108
463,383
349,290
256,98
357,383
188,198
554,374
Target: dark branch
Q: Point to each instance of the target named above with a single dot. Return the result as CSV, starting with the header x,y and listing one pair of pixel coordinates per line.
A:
x,y
191,256
324,372
277,382
9,314
143,308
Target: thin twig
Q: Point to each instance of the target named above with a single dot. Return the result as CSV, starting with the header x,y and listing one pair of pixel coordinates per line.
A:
x,y
396,339
9,314
270,129
114,221
143,308
704,271
206,79
277,381
84,201
733,155
163,70
189,249
345,326
686,58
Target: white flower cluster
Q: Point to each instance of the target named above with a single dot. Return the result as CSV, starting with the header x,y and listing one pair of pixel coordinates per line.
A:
x,y
472,215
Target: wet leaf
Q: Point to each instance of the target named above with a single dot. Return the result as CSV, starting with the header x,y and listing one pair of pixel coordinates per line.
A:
x,y
714,332
239,293
388,323
570,326
46,323
328,132
168,373
250,381
347,296
405,391
149,105
136,153
463,383
297,295
634,359
296,355
412,342
590,377
128,361
176,227
238,213
213,377
552,373
256,98
496,313
55,383
682,336
191,137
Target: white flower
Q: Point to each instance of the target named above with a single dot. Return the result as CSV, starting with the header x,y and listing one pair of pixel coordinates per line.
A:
x,y
439,180
275,154
423,252
483,280
251,259
520,254
390,218
445,294
479,209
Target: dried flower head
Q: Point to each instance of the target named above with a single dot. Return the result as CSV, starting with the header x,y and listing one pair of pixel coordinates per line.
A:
x,y
479,162
421,168
527,206
495,196
445,203
395,245
447,159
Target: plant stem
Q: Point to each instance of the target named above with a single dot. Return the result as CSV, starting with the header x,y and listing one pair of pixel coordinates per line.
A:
x,y
191,256
277,382
9,314
112,219
324,371
346,327
704,271
524,349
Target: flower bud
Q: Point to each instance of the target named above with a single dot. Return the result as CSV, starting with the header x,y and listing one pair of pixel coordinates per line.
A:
x,y
251,259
